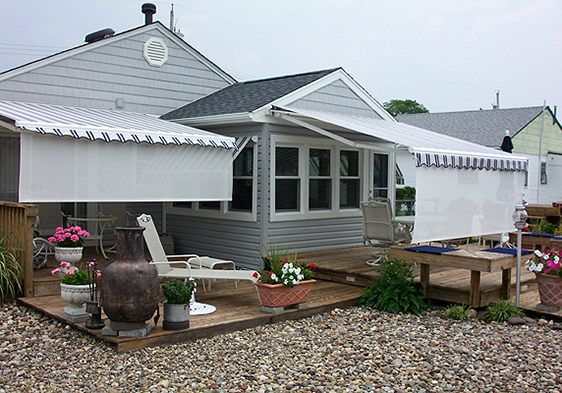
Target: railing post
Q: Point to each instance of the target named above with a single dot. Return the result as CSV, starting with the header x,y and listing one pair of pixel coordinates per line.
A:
x,y
31,212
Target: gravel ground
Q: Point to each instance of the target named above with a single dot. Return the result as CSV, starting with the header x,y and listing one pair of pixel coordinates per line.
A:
x,y
351,350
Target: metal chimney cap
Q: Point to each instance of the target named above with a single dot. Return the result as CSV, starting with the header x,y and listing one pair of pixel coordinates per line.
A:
x,y
148,9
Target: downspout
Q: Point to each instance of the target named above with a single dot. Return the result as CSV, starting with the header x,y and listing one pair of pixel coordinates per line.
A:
x,y
540,154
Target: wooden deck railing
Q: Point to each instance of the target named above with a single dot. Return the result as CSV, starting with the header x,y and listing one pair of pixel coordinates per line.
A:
x,y
16,226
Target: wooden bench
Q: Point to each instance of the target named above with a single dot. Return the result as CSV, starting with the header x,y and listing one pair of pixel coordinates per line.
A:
x,y
475,261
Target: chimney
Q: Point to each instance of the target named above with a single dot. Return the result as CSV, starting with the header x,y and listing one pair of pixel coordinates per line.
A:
x,y
148,9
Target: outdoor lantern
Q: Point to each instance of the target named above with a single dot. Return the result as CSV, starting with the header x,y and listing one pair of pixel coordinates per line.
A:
x,y
520,218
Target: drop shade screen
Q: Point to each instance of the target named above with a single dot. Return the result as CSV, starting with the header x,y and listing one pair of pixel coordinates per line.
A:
x,y
64,169
458,203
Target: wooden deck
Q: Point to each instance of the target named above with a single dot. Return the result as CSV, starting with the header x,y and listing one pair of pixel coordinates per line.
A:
x,y
341,274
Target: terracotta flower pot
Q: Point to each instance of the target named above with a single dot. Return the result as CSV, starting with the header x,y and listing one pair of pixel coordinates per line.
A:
x,y
550,289
279,295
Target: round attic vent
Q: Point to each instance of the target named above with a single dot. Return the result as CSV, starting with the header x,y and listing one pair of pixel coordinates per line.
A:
x,y
155,52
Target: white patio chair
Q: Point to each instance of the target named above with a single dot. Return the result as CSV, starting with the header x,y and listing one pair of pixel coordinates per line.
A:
x,y
198,267
42,248
378,230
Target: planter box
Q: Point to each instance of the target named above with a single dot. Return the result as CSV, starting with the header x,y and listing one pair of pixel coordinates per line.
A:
x,y
279,295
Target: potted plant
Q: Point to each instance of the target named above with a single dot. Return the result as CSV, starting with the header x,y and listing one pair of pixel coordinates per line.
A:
x,y
547,267
178,294
76,288
10,272
69,243
284,282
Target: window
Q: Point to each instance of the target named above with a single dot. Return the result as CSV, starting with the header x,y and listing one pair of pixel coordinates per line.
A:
x,y
349,179
380,175
399,176
243,204
544,179
243,181
320,183
287,181
314,179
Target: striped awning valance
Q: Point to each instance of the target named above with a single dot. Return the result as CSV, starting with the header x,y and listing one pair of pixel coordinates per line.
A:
x,y
451,160
107,125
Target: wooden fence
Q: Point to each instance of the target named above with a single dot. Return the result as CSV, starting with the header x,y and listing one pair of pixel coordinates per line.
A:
x,y
16,226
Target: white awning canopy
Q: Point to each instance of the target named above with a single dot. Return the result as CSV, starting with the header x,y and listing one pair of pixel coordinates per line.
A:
x,y
462,189
73,154
430,148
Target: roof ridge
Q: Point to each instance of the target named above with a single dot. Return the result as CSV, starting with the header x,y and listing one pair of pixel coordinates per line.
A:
x,y
326,71
472,111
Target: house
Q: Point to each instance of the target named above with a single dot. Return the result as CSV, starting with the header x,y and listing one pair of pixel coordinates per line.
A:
x,y
147,70
318,145
535,134
304,150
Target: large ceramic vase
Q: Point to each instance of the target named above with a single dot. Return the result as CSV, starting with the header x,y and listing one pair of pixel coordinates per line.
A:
x,y
279,295
76,295
550,289
130,286
69,254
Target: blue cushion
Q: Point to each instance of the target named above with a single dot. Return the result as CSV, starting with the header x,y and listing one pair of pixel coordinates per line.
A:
x,y
431,249
511,251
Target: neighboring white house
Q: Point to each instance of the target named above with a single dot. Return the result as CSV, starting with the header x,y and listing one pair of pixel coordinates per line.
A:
x,y
311,147
533,135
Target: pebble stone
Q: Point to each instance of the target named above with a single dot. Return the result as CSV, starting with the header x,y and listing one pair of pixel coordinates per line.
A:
x,y
345,350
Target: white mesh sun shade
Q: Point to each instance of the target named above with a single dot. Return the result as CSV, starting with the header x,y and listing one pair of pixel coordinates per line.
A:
x,y
458,203
65,169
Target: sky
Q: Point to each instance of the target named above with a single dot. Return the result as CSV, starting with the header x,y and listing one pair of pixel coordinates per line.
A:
x,y
448,55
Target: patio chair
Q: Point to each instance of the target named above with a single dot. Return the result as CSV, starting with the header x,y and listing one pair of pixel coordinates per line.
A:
x,y
378,230
42,248
195,266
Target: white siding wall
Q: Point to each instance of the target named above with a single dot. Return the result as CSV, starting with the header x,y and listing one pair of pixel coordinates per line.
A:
x,y
98,77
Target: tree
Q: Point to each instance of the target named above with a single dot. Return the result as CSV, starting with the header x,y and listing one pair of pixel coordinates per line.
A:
x,y
400,107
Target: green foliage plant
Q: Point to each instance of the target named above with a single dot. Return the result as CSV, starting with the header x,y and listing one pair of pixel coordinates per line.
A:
x,y
501,310
178,291
458,312
399,107
394,290
10,273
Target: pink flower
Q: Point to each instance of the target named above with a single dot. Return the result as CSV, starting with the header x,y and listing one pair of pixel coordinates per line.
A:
x,y
98,273
55,271
91,263
65,264
70,272
74,238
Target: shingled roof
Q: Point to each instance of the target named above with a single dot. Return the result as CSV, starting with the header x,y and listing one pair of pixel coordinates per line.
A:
x,y
485,127
245,97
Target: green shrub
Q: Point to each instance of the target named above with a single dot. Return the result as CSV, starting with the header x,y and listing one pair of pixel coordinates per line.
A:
x,y
10,273
178,291
457,312
501,310
394,290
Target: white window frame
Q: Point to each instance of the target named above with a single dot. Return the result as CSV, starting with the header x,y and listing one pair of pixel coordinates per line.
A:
x,y
224,212
304,145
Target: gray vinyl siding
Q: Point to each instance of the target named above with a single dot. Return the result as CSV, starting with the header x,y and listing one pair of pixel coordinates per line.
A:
x,y
118,70
337,97
315,235
226,239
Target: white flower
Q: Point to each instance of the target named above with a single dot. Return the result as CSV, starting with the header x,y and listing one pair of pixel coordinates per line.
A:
x,y
540,267
556,259
273,277
538,253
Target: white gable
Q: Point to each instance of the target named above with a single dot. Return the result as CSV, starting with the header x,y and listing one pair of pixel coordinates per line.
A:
x,y
114,74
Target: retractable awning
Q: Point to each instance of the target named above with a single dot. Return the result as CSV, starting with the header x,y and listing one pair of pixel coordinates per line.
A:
x,y
83,154
462,189
430,148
